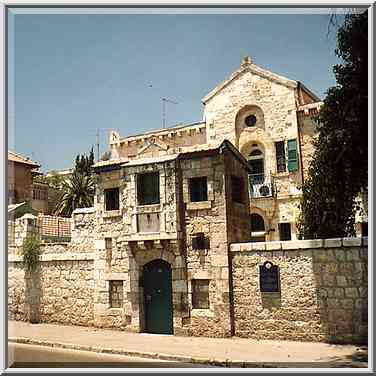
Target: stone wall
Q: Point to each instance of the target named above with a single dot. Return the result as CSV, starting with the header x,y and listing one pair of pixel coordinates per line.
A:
x,y
157,143
323,290
207,217
60,290
308,133
83,227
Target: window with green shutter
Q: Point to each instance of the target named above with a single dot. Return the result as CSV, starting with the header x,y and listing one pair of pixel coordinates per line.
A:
x,y
292,155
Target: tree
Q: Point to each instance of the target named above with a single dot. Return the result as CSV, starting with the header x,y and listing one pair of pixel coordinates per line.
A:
x,y
83,163
77,192
339,169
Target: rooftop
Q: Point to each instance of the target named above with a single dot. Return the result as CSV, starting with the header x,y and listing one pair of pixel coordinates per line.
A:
x,y
175,153
18,158
157,131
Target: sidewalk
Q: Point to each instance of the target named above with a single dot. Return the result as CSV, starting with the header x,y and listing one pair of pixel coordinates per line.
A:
x,y
228,352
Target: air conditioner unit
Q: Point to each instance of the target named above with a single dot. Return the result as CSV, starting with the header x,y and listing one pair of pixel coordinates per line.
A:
x,y
264,190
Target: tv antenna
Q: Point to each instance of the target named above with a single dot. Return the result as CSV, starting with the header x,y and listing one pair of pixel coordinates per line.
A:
x,y
164,101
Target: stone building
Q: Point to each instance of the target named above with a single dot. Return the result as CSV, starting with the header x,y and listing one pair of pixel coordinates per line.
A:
x,y
173,243
270,119
162,232
20,178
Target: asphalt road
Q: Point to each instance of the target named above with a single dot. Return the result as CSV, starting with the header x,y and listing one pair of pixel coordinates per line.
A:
x,y
31,356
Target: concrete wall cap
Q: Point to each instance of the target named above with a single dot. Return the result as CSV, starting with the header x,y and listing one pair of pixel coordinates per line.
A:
x,y
273,246
83,210
335,242
258,246
351,242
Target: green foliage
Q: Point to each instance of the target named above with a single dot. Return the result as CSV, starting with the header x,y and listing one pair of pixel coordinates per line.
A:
x,y
77,192
53,181
83,163
30,252
339,169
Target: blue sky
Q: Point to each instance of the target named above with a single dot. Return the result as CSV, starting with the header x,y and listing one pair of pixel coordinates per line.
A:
x,y
70,74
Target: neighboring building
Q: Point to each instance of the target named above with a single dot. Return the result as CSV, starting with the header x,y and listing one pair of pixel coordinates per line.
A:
x,y
21,171
66,173
44,197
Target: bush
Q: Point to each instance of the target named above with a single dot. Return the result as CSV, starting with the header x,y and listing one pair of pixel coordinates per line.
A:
x,y
30,252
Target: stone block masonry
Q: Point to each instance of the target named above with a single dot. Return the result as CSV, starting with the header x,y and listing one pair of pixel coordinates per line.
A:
x,y
61,290
322,294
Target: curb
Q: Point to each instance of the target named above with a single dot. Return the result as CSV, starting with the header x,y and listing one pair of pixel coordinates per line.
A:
x,y
135,353
186,359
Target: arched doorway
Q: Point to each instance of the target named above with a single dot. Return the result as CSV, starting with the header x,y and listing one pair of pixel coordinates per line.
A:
x,y
257,228
158,297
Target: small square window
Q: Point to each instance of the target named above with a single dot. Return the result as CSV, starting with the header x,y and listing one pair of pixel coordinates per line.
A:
x,y
198,189
116,294
200,293
284,231
200,241
237,189
111,199
148,188
108,243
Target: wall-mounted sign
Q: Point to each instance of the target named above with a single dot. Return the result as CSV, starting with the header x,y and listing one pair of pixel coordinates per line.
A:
x,y
269,277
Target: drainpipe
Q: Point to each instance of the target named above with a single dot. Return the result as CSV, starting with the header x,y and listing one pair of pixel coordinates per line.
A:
x,y
231,291
300,149
299,139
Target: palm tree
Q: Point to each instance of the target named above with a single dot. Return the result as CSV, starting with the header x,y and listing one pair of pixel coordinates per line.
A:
x,y
77,192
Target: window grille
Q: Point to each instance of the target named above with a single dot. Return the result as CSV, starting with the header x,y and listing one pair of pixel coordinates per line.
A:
x,y
200,241
111,199
284,231
200,293
148,188
198,188
116,294
281,156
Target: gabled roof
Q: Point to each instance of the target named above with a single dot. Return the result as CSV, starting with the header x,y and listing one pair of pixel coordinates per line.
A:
x,y
248,66
180,152
18,158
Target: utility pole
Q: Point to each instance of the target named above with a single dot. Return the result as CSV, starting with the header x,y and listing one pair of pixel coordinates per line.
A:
x,y
164,100
97,144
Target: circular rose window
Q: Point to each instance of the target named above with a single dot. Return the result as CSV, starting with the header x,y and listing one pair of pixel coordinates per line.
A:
x,y
250,120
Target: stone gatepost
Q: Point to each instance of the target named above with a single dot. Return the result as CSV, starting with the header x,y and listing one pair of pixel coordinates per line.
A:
x,y
24,227
100,288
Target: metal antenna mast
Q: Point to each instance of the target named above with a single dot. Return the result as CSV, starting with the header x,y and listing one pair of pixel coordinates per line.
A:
x,y
97,144
164,100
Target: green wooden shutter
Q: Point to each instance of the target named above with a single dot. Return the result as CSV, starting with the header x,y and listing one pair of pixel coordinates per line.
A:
x,y
292,155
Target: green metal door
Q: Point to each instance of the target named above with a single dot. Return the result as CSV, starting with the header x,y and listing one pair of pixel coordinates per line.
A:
x,y
158,297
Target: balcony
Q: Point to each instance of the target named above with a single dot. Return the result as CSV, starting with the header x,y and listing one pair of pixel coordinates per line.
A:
x,y
261,186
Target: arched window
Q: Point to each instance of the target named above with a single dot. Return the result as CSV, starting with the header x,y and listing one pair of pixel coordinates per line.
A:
x,y
256,164
257,223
